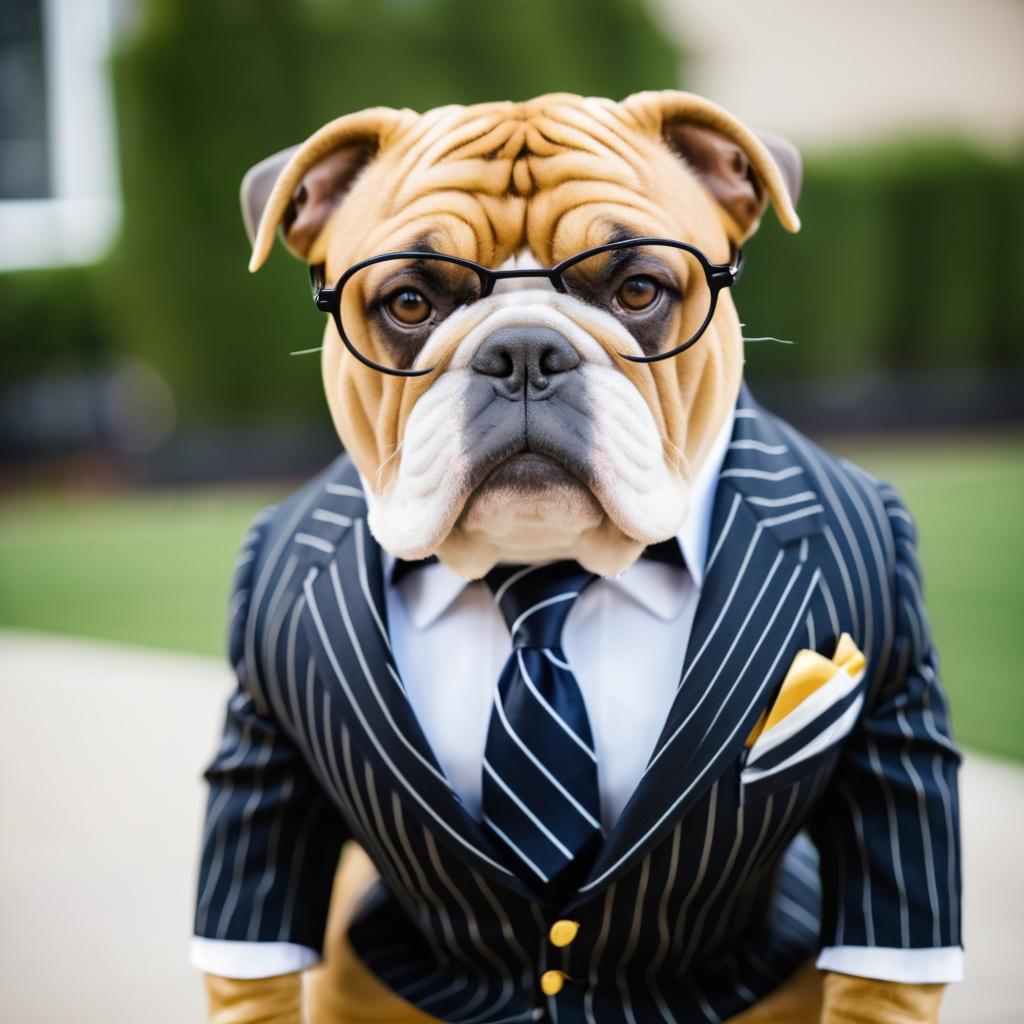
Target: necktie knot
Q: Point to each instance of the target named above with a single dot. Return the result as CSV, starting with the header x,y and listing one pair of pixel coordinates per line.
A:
x,y
535,600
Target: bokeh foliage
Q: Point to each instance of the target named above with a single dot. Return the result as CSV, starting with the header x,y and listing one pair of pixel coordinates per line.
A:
x,y
51,320
908,259
207,89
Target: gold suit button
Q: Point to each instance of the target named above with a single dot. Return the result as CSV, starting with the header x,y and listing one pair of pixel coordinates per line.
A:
x,y
563,932
551,982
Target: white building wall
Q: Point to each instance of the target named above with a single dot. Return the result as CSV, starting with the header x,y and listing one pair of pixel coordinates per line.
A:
x,y
825,72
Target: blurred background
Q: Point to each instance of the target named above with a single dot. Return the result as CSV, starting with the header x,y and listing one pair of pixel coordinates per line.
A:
x,y
149,405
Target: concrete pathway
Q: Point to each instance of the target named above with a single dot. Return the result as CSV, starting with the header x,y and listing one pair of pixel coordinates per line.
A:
x,y
101,805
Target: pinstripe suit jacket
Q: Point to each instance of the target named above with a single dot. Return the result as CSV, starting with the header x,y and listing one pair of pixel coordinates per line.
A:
x,y
707,893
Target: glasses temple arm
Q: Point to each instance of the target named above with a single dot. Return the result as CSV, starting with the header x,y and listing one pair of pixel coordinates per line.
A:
x,y
323,298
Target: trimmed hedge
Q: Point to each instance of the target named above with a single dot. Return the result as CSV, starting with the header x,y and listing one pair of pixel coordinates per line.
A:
x,y
908,259
51,321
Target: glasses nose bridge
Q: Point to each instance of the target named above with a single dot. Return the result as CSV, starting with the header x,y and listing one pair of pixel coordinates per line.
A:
x,y
494,276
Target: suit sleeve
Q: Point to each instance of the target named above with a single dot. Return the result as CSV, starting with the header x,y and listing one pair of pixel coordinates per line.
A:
x,y
888,827
271,840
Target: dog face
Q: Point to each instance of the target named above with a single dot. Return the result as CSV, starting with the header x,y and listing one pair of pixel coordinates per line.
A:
x,y
532,437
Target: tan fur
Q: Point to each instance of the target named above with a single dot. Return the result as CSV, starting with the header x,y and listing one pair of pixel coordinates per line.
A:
x,y
850,1000
551,175
275,1000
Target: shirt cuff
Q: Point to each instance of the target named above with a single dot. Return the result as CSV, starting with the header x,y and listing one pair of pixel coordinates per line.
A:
x,y
244,960
941,965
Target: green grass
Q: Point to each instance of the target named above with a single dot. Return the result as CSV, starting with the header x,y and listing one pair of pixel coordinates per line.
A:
x,y
153,569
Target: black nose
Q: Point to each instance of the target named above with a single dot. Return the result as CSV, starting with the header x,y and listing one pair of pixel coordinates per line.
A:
x,y
518,359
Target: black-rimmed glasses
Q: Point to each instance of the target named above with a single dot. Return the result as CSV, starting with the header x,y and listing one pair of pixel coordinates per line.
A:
x,y
663,291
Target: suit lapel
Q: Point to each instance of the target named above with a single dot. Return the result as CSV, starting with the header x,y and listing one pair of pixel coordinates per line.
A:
x,y
758,584
345,616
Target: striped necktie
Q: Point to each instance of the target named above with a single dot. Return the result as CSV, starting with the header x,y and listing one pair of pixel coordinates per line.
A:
x,y
540,795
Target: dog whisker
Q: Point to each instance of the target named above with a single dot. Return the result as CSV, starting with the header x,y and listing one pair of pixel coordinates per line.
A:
x,y
768,337
682,460
383,465
307,351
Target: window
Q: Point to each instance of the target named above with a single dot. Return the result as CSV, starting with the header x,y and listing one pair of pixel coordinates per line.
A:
x,y
58,179
24,125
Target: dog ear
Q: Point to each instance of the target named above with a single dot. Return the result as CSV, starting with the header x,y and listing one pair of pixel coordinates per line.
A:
x,y
298,188
728,174
741,170
788,160
256,187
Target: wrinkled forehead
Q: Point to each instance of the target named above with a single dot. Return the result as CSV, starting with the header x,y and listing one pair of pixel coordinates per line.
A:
x,y
551,177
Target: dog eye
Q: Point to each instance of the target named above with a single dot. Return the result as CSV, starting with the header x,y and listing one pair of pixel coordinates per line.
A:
x,y
409,307
638,292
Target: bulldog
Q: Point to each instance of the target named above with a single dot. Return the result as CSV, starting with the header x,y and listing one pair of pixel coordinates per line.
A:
x,y
531,348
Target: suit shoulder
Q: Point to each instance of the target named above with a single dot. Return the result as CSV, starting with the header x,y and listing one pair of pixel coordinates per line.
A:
x,y
303,527
284,542
858,506
332,498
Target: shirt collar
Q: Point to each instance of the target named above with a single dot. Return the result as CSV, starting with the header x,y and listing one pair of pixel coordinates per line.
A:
x,y
428,592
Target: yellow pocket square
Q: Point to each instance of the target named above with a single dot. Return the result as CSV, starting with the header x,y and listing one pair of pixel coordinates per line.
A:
x,y
809,672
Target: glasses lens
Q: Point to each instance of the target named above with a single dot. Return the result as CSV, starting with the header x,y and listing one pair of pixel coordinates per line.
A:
x,y
659,293
390,309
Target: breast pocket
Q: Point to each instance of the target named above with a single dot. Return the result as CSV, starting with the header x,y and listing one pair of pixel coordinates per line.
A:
x,y
817,706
